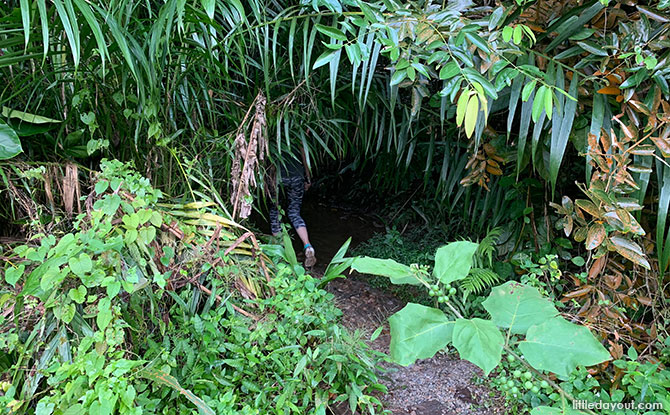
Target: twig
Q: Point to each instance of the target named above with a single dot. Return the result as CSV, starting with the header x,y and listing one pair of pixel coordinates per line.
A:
x,y
218,297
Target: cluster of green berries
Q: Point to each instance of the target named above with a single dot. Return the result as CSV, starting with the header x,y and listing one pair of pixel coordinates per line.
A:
x,y
520,380
441,294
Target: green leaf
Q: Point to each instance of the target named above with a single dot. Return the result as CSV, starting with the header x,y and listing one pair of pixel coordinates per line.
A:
x,y
518,307
44,408
418,332
592,48
331,32
449,70
81,264
479,341
518,34
12,274
453,261
478,41
77,295
101,186
559,346
398,76
210,7
527,90
507,32
398,273
325,58
104,316
10,145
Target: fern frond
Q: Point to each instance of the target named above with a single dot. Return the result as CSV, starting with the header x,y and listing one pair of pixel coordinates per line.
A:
x,y
478,280
487,247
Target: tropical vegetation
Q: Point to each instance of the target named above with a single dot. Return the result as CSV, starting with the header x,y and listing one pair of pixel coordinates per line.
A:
x,y
137,137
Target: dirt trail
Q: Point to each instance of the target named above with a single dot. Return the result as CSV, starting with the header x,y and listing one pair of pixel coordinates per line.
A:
x,y
442,385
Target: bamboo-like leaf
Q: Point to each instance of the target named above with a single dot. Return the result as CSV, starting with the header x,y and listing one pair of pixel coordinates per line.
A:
x,y
663,176
331,32
538,103
548,103
71,30
86,11
515,93
559,139
526,115
165,379
25,19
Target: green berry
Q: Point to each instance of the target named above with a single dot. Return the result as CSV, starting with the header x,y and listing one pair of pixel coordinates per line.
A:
x,y
528,384
544,384
503,379
452,291
528,375
436,287
432,293
514,390
510,358
505,387
510,383
448,286
535,389
442,299
517,373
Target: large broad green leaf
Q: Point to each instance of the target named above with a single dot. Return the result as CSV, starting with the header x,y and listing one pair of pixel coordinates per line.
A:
x,y
10,145
548,410
453,261
398,273
518,307
479,341
418,332
560,346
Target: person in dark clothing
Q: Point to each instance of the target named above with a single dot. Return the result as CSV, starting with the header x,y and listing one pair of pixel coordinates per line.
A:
x,y
294,180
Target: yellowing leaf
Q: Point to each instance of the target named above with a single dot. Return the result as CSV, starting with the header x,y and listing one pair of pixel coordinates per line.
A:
x,y
461,106
471,115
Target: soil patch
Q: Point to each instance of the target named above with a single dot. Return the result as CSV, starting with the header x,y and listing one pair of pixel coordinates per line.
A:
x,y
443,384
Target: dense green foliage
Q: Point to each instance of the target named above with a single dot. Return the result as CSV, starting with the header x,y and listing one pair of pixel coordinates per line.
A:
x,y
540,128
125,305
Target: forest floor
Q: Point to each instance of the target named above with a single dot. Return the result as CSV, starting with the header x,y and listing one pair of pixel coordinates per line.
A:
x,y
442,385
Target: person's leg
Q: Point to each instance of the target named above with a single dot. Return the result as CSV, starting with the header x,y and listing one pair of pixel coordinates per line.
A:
x,y
275,224
296,190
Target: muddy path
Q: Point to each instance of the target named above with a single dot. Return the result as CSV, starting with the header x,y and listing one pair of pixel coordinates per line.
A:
x,y
440,385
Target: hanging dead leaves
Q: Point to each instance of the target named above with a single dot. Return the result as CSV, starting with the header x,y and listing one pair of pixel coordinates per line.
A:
x,y
482,163
250,146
